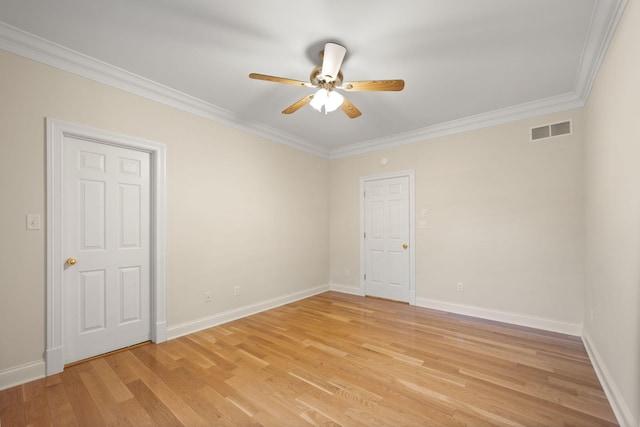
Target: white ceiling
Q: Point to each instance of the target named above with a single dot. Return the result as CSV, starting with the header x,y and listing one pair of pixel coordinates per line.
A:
x,y
466,63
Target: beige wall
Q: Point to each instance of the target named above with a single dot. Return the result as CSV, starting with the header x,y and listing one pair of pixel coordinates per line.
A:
x,y
241,210
613,213
504,216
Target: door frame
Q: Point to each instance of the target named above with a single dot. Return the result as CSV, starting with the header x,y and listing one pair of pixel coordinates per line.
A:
x,y
57,130
412,229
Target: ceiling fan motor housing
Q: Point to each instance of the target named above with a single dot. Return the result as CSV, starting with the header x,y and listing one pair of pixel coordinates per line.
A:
x,y
317,79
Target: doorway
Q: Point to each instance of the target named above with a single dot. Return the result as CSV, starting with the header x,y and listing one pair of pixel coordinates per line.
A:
x,y
387,237
106,286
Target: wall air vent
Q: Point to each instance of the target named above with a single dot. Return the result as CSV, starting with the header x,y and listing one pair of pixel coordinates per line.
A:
x,y
551,130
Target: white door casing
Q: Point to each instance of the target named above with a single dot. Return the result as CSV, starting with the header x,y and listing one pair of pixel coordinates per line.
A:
x,y
387,219
67,146
105,232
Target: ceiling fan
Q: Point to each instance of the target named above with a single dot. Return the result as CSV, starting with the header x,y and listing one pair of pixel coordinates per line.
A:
x,y
327,78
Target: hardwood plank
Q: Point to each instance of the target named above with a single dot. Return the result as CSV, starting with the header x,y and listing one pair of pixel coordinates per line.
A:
x,y
231,414
60,407
164,393
36,411
136,414
122,365
332,359
269,407
107,405
11,396
12,411
111,380
158,411
85,410
33,389
182,384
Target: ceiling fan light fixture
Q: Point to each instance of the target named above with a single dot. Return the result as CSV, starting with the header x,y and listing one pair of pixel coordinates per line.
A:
x,y
333,102
319,99
330,100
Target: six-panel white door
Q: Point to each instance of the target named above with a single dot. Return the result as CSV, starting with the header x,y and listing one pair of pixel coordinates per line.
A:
x,y
106,228
386,240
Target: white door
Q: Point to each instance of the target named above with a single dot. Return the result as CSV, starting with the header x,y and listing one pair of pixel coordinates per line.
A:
x,y
106,230
386,238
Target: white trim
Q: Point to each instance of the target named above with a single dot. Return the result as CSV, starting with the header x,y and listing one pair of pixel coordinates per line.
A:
x,y
616,400
30,46
606,16
56,132
492,118
192,326
345,289
574,329
604,21
21,374
412,227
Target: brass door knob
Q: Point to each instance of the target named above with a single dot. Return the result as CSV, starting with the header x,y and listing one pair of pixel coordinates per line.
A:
x,y
405,246
71,261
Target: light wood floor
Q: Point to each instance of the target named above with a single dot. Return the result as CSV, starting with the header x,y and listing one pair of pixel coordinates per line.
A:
x,y
332,359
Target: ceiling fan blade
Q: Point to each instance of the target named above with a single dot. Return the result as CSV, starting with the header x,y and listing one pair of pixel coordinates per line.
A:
x,y
374,85
279,80
332,60
350,109
297,105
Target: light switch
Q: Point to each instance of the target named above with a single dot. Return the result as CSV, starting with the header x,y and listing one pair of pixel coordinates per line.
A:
x,y
33,222
422,224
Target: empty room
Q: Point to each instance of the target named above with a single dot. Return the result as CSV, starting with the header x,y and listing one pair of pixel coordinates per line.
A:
x,y
406,213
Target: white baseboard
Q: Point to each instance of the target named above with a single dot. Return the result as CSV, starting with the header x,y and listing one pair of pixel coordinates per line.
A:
x,y
619,406
353,290
238,313
483,313
503,316
22,374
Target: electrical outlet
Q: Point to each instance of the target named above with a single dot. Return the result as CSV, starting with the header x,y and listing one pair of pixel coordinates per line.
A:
x,y
460,287
236,291
208,297
347,272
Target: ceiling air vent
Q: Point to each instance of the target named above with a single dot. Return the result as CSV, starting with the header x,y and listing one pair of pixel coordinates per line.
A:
x,y
551,130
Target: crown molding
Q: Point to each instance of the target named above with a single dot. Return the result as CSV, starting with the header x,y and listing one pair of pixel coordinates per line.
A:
x,y
605,18
604,21
30,46
542,107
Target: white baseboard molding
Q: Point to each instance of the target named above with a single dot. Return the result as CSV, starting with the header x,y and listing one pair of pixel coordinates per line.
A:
x,y
617,402
503,316
186,328
22,374
345,289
